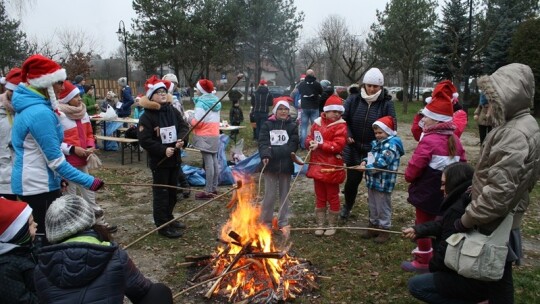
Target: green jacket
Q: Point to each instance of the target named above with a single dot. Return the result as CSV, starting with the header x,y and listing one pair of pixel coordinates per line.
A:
x,y
90,102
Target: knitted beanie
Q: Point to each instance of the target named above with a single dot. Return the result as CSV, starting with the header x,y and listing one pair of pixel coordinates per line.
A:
x,y
67,216
373,76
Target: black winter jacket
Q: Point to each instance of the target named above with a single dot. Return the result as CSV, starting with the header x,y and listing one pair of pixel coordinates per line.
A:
x,y
279,156
310,90
17,277
452,209
149,137
329,91
80,272
261,99
360,117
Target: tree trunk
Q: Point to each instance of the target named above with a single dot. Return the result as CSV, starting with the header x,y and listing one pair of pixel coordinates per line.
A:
x,y
405,73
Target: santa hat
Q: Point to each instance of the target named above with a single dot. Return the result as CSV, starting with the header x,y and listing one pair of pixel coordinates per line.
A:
x,y
205,86
70,91
334,103
386,123
280,101
373,76
13,217
13,78
302,77
263,82
439,106
42,72
153,84
169,85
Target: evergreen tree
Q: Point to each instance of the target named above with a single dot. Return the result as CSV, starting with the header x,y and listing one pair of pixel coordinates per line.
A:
x,y
14,46
448,52
525,49
401,36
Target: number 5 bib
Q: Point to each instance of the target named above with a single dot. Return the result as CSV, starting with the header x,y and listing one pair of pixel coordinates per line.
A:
x,y
168,135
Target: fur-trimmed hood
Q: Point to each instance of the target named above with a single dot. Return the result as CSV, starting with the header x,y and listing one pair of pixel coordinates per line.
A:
x,y
508,94
148,104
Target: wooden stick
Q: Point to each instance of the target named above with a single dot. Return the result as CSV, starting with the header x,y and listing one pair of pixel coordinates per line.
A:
x,y
152,185
210,280
237,186
352,168
260,178
240,253
348,228
308,155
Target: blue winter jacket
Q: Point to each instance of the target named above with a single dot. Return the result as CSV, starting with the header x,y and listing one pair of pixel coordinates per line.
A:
x,y
127,102
386,154
36,138
85,270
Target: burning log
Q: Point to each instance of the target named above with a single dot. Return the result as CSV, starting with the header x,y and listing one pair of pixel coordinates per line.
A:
x,y
208,295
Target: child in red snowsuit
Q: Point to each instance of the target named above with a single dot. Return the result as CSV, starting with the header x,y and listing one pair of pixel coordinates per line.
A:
x,y
326,141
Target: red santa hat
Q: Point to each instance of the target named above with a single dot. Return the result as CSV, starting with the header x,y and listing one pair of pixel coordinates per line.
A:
x,y
205,86
152,84
13,217
13,78
302,77
439,105
42,72
70,91
169,85
263,82
334,103
386,123
283,101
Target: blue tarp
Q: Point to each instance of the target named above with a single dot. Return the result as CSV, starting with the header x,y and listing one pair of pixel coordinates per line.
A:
x,y
111,127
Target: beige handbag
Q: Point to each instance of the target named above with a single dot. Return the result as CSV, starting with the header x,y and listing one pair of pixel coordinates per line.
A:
x,y
478,256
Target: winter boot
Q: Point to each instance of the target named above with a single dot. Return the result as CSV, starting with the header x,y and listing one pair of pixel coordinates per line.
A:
x,y
345,212
420,262
332,222
369,234
383,237
320,215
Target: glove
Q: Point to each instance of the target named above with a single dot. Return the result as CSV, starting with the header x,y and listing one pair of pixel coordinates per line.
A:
x,y
97,184
458,225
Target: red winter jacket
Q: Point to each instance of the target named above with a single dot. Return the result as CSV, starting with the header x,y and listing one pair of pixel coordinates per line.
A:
x,y
459,118
332,138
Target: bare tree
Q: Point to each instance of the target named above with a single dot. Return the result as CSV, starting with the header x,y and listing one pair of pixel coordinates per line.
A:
x,y
334,33
311,53
356,58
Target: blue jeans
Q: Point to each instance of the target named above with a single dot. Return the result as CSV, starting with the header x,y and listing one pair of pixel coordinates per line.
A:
x,y
423,288
308,117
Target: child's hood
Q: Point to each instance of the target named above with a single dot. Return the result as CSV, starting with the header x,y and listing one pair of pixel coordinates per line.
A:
x,y
206,101
396,141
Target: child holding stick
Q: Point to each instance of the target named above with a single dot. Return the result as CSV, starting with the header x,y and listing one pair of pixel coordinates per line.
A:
x,y
327,140
385,152
278,137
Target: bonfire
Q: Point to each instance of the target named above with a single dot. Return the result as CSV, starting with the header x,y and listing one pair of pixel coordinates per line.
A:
x,y
248,266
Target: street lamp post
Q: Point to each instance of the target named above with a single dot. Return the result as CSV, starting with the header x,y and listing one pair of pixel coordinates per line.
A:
x,y
122,35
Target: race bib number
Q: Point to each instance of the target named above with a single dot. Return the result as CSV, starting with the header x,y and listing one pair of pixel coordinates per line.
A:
x,y
278,137
370,158
317,136
168,135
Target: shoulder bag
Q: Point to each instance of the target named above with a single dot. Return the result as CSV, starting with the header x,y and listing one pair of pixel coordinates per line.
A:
x,y
478,256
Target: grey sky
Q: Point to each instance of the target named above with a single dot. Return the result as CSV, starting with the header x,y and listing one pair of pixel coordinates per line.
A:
x,y
101,17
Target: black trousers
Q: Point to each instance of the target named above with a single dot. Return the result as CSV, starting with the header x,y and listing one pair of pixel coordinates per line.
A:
x,y
483,130
39,204
354,178
164,199
158,293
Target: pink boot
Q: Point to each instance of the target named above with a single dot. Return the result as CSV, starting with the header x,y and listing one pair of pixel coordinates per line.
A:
x,y
420,262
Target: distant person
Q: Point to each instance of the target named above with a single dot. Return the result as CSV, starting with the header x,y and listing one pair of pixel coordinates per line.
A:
x,y
261,99
362,109
483,118
206,135
236,117
83,265
80,82
126,99
17,263
310,91
89,99
328,90
174,90
7,113
109,101
37,137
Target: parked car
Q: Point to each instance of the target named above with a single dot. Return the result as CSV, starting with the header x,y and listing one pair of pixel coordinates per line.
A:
x,y
277,91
